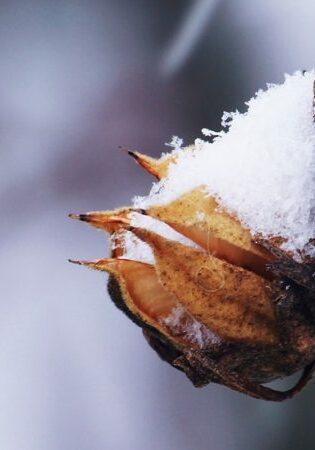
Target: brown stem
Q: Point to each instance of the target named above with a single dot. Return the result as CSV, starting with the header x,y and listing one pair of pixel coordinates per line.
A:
x,y
257,391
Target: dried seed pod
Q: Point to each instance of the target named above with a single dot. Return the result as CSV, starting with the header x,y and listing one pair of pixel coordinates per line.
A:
x,y
218,297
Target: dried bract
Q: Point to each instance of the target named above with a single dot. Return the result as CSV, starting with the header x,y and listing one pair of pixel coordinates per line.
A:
x,y
219,295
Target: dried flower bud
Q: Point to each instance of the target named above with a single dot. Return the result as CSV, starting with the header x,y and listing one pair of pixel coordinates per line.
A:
x,y
220,296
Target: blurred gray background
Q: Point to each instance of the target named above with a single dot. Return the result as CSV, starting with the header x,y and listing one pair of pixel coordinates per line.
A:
x,y
78,79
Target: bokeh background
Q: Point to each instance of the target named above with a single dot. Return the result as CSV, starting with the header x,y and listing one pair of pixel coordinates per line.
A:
x,y
78,79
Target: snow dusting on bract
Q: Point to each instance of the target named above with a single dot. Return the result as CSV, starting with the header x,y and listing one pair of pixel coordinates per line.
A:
x,y
136,249
184,324
260,167
133,248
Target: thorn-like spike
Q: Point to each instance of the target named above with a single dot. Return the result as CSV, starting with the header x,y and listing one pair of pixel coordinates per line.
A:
x,y
83,217
74,216
156,167
151,165
111,265
104,264
133,155
73,261
109,221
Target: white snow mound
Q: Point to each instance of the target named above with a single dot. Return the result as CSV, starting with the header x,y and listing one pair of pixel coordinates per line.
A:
x,y
260,167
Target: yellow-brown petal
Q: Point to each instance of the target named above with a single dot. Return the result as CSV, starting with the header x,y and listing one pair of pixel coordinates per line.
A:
x,y
232,302
197,216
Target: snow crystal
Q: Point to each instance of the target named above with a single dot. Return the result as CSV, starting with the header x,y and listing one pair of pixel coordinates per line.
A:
x,y
176,143
134,248
183,324
260,167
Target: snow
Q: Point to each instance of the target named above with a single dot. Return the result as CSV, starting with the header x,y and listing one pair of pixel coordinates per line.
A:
x,y
260,166
136,249
176,143
183,324
161,228
133,247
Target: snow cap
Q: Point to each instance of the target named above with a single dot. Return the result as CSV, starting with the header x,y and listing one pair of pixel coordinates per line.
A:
x,y
260,167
